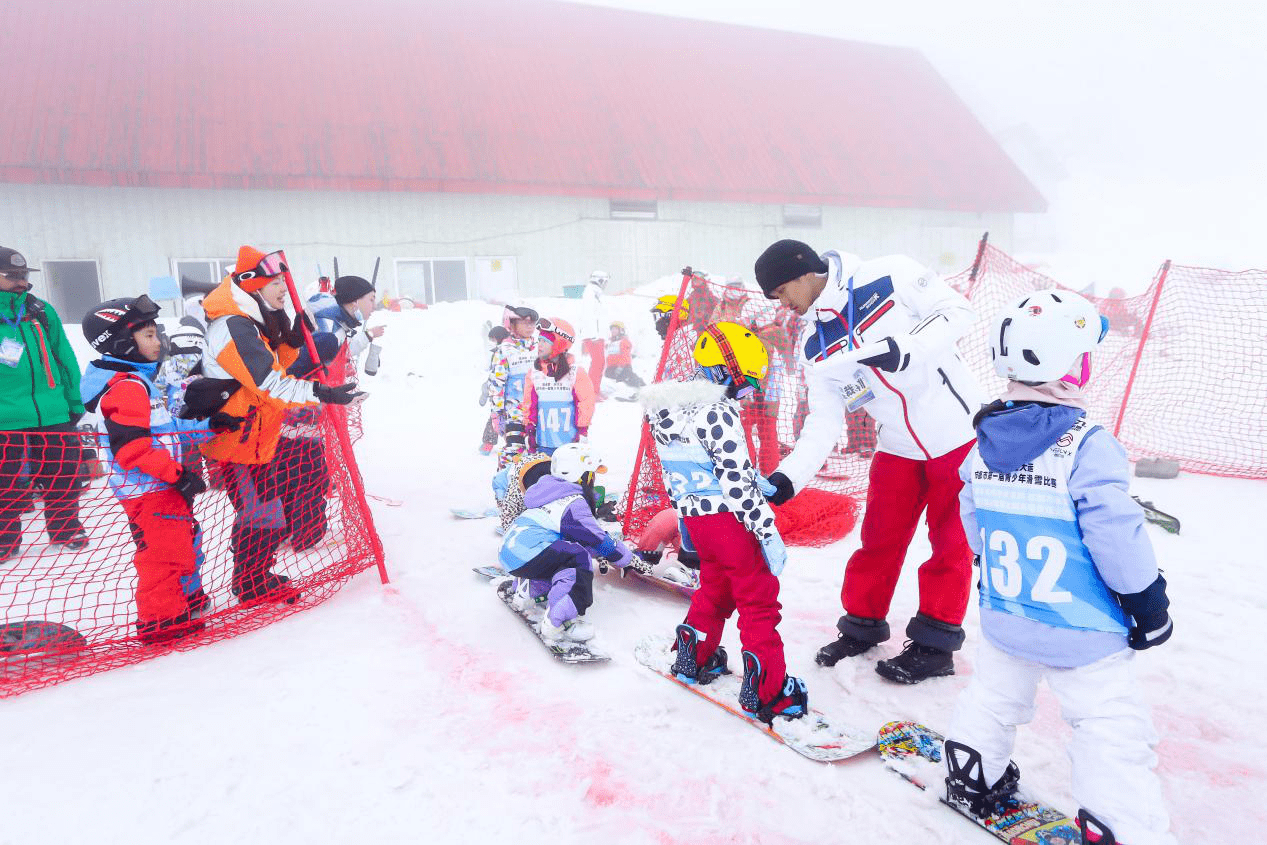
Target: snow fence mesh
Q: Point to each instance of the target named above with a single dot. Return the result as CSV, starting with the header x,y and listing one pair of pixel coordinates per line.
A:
x,y
1182,373
67,613
827,510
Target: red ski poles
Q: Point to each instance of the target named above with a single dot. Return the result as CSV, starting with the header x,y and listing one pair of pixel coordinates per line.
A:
x,y
299,314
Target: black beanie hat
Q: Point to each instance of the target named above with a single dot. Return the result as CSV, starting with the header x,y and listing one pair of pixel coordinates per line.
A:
x,y
784,261
350,289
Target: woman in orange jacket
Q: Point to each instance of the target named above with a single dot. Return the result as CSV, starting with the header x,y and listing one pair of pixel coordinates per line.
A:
x,y
250,342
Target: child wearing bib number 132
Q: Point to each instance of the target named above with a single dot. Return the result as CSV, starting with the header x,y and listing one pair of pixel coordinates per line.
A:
x,y
1068,583
558,397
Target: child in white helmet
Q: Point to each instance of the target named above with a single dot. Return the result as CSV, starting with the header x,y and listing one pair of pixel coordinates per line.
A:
x,y
549,545
1069,587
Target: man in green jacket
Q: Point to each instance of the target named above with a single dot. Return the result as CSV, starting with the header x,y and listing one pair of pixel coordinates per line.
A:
x,y
39,406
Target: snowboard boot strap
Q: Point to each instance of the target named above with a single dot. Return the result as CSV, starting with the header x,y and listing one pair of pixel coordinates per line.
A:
x,y
1094,831
965,785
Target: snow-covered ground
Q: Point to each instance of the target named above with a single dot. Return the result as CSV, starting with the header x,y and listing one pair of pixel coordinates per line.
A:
x,y
424,712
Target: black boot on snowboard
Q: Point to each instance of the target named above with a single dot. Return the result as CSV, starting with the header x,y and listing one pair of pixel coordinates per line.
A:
x,y
965,785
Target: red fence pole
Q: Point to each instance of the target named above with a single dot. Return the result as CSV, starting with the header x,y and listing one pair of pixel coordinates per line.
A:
x,y
644,441
1139,351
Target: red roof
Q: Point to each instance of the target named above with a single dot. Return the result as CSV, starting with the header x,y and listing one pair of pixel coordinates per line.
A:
x,y
524,97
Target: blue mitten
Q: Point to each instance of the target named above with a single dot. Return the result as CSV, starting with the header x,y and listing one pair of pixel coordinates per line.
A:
x,y
766,486
775,553
622,557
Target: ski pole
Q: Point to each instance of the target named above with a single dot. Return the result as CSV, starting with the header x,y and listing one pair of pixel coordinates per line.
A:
x,y
299,314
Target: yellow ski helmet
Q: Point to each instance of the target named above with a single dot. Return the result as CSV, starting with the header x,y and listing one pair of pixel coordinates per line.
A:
x,y
738,351
664,305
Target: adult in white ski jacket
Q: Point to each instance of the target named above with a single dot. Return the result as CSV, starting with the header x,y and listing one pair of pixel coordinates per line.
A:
x,y
881,336
593,330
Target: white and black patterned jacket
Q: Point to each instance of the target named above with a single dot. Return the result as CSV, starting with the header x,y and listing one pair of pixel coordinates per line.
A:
x,y
704,454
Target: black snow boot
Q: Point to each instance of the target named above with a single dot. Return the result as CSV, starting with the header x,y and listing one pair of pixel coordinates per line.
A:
x,y
965,785
856,636
917,663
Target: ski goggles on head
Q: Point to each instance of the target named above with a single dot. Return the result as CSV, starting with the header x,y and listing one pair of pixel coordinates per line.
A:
x,y
270,265
142,310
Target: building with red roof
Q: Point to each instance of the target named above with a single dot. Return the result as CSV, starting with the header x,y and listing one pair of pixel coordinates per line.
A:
x,y
479,148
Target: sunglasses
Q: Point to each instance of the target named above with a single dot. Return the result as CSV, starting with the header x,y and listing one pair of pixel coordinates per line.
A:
x,y
269,266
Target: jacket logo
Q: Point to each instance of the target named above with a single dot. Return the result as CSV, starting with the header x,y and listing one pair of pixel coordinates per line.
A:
x,y
1066,439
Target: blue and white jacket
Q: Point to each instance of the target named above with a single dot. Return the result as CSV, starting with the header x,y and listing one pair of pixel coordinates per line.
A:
x,y
555,510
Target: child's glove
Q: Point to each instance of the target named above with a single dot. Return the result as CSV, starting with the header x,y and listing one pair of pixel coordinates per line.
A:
x,y
782,488
220,421
340,395
190,484
484,395
622,556
1149,610
775,553
766,487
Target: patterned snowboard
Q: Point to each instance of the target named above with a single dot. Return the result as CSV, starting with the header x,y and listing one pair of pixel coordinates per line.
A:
x,y
637,574
564,650
468,513
810,736
915,753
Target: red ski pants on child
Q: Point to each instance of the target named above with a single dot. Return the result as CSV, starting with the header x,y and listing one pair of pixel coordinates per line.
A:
x,y
596,348
734,575
163,528
900,489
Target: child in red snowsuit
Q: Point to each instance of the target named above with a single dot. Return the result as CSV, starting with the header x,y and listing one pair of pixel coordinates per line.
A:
x,y
144,445
714,486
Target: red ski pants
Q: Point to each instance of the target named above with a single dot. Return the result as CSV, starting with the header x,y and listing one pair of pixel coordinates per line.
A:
x,y
734,576
597,350
163,528
900,489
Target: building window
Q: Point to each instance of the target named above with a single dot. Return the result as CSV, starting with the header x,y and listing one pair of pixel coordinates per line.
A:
x,y
634,209
432,280
72,286
195,275
808,216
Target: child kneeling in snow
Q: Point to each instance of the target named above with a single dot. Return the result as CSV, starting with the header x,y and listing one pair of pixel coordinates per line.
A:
x,y
1068,582
549,545
710,477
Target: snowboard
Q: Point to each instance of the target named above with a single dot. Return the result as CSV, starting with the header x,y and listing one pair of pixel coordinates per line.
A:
x,y
681,581
811,736
470,513
564,651
26,646
1160,518
915,752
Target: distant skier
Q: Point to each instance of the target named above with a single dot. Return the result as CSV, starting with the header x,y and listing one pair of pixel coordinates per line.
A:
x,y
710,477
620,357
593,343
558,401
549,545
1069,587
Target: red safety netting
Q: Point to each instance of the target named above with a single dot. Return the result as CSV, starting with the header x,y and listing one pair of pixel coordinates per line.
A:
x,y
1182,374
772,421
66,613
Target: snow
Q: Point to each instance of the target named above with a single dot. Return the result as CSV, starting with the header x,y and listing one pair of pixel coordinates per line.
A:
x,y
422,711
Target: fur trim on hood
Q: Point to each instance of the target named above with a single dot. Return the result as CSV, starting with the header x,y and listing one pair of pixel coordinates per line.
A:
x,y
679,394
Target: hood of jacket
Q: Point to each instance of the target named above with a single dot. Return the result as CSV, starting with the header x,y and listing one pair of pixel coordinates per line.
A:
x,y
98,374
229,300
1010,434
835,296
548,489
681,394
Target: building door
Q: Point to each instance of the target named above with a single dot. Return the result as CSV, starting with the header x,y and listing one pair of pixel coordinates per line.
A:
x,y
495,279
73,287
432,280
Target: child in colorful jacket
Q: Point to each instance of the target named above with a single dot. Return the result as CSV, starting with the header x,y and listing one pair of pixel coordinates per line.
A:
x,y
512,362
710,477
144,445
1069,587
558,399
549,545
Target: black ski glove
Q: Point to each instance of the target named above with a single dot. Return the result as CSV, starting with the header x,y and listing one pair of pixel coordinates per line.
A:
x,y
891,361
190,484
782,488
341,395
1148,608
220,421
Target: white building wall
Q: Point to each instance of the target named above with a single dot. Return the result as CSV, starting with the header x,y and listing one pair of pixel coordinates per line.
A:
x,y
135,233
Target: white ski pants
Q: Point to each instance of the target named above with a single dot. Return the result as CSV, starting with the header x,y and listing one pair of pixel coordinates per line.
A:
x,y
1113,736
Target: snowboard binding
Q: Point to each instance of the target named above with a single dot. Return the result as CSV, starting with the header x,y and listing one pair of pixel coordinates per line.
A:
x,y
966,787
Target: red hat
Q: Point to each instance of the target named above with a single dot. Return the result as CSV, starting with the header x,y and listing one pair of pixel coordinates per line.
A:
x,y
249,259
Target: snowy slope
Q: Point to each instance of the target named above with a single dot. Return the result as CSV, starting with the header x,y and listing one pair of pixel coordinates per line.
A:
x,y
423,712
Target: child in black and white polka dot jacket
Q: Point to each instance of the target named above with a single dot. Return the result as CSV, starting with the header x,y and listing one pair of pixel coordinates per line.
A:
x,y
714,486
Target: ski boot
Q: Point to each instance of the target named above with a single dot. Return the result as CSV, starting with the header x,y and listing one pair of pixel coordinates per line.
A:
x,y
263,585
791,702
965,785
686,667
574,630
916,663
